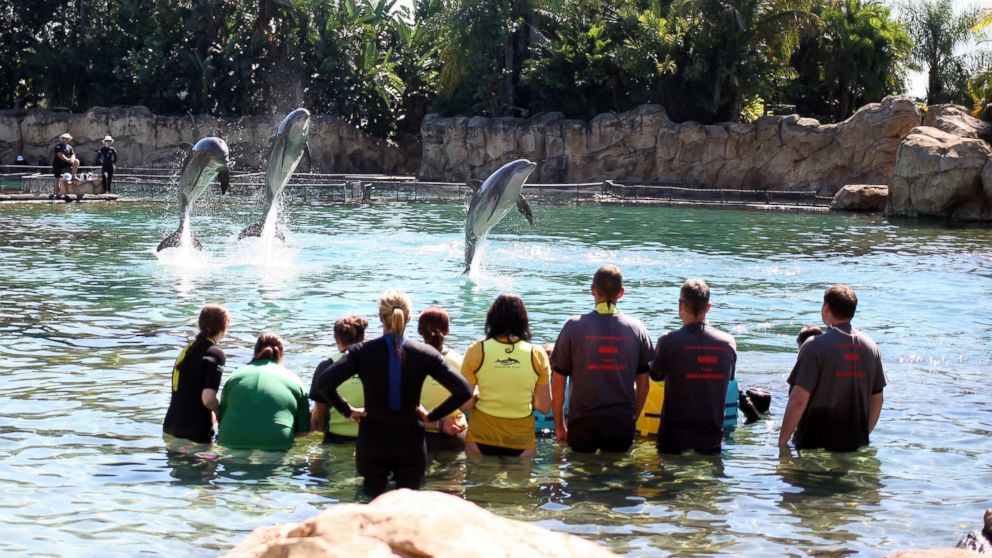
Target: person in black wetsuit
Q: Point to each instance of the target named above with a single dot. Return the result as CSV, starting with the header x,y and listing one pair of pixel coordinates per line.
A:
x,y
196,379
107,159
391,425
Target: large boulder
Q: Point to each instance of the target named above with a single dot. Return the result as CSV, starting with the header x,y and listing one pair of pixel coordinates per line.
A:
x,y
861,197
942,175
410,523
954,119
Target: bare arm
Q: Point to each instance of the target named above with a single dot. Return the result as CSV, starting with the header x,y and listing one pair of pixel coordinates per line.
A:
x,y
641,387
318,416
874,410
542,398
209,399
794,409
558,385
471,400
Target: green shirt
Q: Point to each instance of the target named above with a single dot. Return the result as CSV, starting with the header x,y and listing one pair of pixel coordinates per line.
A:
x,y
262,407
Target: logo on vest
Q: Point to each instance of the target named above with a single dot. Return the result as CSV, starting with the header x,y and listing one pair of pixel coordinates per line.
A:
x,y
508,361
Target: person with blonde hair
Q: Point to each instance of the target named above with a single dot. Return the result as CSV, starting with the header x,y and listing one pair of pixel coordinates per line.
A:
x,y
391,425
196,379
264,405
513,379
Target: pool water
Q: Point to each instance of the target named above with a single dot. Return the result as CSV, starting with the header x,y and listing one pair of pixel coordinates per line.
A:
x,y
92,318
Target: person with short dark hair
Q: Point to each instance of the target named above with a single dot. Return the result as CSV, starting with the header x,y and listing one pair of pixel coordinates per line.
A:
x,y
697,363
835,395
196,379
338,428
512,379
107,159
391,425
806,332
447,433
264,405
64,159
606,355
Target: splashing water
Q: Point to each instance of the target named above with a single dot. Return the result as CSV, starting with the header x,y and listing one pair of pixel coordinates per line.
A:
x,y
267,240
185,255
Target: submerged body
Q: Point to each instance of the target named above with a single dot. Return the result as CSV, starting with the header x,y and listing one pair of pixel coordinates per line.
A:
x,y
208,159
493,200
287,151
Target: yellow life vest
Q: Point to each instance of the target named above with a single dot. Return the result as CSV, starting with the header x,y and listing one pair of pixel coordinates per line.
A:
x,y
506,379
354,393
650,419
433,393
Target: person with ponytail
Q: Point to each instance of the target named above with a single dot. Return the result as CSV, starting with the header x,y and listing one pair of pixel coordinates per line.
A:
x,y
392,369
264,405
447,433
196,380
338,428
512,377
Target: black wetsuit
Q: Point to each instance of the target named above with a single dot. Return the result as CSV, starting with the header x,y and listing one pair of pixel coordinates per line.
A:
x,y
107,157
392,442
198,367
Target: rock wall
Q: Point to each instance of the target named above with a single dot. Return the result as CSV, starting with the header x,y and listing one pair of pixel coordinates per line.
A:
x,y
144,139
775,152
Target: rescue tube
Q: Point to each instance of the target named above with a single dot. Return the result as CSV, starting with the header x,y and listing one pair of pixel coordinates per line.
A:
x,y
650,419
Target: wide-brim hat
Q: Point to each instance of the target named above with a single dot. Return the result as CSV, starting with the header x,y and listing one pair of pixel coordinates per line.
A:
x,y
66,135
108,138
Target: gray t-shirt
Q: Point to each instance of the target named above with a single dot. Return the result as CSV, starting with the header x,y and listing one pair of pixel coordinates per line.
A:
x,y
697,363
841,368
602,354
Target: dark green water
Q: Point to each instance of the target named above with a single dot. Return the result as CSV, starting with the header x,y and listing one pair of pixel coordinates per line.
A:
x,y
91,320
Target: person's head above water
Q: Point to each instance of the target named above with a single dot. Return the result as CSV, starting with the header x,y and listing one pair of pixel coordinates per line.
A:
x,y
694,301
433,325
839,304
350,330
394,311
607,284
806,332
507,317
269,346
213,321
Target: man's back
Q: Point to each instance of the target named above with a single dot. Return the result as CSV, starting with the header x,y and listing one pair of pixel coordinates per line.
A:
x,y
841,369
696,362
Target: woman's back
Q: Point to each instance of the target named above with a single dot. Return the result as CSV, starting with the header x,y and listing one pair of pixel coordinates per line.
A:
x,y
263,407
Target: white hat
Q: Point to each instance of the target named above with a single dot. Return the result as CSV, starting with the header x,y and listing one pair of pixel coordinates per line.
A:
x,y
65,135
108,138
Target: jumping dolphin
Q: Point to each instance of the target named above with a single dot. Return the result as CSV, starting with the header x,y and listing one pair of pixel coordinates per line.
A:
x,y
493,200
287,150
208,159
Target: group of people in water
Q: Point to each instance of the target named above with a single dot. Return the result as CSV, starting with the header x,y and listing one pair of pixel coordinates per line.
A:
x,y
397,398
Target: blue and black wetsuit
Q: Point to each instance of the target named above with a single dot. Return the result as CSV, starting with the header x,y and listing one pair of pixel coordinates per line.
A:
x,y
107,158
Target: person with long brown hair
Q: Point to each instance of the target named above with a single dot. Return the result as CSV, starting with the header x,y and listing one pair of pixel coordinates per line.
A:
x,y
196,379
264,405
391,425
447,433
513,379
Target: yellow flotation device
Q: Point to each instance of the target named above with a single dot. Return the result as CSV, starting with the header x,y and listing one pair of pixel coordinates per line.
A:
x,y
650,419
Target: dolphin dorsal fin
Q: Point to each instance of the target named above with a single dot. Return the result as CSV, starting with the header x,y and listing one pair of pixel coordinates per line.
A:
x,y
524,208
185,146
474,184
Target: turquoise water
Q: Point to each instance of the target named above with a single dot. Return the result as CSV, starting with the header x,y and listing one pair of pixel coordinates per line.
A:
x,y
91,320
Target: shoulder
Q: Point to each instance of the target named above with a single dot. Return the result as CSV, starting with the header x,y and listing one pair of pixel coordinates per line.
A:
x,y
722,336
422,349
216,352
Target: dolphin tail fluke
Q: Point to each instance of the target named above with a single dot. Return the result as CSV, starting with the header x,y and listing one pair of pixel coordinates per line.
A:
x,y
175,240
254,229
524,208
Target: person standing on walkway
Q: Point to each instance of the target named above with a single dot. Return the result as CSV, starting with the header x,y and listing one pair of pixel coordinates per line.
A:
x,y
697,363
107,159
606,355
63,159
391,425
835,395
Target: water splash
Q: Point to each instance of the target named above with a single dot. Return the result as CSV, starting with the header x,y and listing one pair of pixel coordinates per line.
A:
x,y
268,243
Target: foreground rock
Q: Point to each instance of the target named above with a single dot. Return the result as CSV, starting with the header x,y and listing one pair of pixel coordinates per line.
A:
x,y
935,553
861,197
942,175
775,152
409,523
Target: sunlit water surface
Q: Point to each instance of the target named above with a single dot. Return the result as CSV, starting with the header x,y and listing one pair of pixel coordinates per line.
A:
x,y
91,320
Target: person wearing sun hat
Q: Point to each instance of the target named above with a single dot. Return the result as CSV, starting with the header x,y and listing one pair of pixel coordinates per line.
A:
x,y
64,158
107,158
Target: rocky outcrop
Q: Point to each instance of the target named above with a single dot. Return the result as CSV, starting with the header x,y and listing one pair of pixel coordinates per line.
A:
x,y
144,139
943,175
408,523
775,152
954,119
861,197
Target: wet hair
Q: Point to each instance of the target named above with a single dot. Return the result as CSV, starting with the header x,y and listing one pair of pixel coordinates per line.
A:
x,y
433,326
507,317
394,312
214,319
608,281
695,294
350,329
268,346
806,332
842,301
